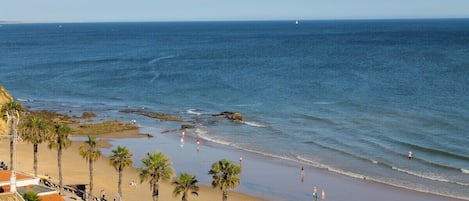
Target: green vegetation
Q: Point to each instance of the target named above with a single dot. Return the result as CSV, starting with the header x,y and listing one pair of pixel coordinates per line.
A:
x,y
60,140
225,176
90,152
183,184
31,196
156,167
34,131
12,111
120,159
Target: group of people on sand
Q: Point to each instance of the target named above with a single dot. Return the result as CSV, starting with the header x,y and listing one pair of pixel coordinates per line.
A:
x,y
182,141
3,166
316,195
410,155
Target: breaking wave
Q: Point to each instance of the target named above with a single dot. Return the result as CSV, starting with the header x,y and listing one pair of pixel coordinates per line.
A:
x,y
254,124
194,112
429,176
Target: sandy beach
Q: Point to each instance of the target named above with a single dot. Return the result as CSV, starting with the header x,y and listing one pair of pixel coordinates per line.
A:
x,y
75,170
263,177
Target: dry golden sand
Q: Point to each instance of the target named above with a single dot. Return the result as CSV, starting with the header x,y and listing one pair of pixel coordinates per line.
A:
x,y
75,171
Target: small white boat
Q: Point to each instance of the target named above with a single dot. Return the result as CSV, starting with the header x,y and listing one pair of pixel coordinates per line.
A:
x,y
296,22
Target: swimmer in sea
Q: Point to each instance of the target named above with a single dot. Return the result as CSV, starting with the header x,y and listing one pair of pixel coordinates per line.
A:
x,y
410,155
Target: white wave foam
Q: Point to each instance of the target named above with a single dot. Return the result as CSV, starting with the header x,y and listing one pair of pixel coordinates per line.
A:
x,y
323,103
194,111
25,100
429,176
204,135
155,76
153,61
254,124
465,171
329,168
311,162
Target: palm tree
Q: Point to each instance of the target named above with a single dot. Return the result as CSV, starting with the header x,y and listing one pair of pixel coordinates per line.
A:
x,y
120,159
31,196
225,176
156,168
34,131
60,141
183,184
90,152
12,111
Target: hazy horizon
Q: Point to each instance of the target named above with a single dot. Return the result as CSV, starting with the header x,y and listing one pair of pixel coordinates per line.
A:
x,y
61,11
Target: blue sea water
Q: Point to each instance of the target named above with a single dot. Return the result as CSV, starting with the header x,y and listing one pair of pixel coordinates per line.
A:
x,y
352,97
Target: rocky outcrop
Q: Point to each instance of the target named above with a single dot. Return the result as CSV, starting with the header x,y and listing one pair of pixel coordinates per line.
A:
x,y
187,126
5,97
162,117
235,116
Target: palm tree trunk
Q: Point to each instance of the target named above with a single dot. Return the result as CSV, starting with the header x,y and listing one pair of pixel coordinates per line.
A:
x,y
35,159
11,153
225,195
91,179
12,144
119,185
59,162
155,191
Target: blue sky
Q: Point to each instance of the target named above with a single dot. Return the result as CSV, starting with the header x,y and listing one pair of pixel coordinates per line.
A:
x,y
196,10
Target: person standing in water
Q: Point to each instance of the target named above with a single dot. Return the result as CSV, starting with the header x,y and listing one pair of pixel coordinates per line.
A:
x,y
302,174
315,194
410,155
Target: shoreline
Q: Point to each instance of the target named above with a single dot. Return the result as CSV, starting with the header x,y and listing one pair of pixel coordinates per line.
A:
x,y
263,177
75,170
268,177
285,175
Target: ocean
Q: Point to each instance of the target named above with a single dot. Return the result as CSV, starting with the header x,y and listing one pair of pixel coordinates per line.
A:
x,y
351,97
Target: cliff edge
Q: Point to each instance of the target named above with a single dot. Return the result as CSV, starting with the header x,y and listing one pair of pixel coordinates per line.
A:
x,y
5,97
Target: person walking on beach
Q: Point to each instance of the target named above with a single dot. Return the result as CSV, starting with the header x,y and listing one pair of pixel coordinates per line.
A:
x,y
302,174
103,194
315,194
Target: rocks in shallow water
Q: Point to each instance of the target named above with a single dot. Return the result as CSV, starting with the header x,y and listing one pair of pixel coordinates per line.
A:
x,y
235,116
187,126
162,117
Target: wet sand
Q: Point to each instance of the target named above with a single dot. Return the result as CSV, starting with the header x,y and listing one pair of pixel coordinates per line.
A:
x,y
75,171
263,177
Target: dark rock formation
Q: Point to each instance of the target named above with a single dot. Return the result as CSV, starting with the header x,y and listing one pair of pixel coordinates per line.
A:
x,y
163,117
187,126
235,116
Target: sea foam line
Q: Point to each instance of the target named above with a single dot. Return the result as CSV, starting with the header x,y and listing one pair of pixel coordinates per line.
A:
x,y
254,124
203,134
161,58
465,171
433,178
194,111
299,159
